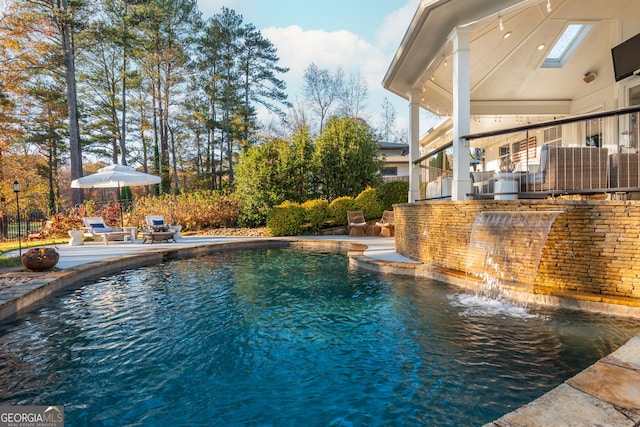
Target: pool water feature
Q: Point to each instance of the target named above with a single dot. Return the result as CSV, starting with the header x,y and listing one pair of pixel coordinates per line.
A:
x,y
505,249
280,337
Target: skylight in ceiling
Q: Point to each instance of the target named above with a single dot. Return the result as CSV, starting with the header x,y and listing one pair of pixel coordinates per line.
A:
x,y
568,42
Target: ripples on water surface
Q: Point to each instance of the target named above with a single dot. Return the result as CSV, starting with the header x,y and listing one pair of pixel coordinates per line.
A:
x,y
279,337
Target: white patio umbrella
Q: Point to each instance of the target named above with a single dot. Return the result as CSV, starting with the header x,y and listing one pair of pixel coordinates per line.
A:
x,y
115,176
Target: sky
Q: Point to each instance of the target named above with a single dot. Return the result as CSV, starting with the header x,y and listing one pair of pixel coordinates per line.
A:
x,y
358,36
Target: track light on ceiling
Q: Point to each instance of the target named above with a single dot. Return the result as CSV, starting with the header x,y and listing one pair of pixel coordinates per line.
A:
x,y
549,6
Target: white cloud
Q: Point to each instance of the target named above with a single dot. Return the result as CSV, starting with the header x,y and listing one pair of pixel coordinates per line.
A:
x,y
395,24
298,48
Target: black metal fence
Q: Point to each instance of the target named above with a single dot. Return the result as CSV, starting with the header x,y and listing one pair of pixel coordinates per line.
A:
x,y
32,221
30,224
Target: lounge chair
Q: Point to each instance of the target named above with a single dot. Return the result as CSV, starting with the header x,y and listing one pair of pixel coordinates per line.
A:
x,y
99,230
157,230
357,224
386,224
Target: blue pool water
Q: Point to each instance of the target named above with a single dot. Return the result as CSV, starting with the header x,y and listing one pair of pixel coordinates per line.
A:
x,y
284,338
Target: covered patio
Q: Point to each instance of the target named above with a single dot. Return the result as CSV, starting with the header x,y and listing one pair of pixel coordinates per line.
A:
x,y
525,88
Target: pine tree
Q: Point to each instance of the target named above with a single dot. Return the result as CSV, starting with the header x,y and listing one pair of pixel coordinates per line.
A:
x,y
66,19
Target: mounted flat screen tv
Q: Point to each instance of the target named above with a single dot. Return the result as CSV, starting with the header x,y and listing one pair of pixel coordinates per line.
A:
x,y
626,57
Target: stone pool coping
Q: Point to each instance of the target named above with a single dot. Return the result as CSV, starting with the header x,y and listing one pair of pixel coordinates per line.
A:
x,y
606,393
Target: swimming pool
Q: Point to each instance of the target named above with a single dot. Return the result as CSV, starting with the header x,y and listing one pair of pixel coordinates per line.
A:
x,y
282,337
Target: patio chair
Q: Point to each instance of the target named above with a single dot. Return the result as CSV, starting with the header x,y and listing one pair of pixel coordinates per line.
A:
x,y
99,230
357,224
386,224
483,183
157,230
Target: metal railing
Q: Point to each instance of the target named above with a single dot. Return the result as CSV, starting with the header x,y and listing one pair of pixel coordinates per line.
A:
x,y
30,223
438,185
436,174
395,178
585,154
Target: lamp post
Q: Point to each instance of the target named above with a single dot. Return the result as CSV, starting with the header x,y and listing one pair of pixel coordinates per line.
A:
x,y
16,189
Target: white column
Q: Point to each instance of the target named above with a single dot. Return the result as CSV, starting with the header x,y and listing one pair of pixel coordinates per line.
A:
x,y
461,38
414,145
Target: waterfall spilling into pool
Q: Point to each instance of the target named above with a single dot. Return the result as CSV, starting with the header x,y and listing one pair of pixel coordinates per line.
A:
x,y
505,250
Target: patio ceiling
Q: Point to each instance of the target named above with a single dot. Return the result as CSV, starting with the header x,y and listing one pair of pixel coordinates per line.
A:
x,y
506,74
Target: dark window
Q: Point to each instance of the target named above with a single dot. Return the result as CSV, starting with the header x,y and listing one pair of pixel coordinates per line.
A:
x,y
390,171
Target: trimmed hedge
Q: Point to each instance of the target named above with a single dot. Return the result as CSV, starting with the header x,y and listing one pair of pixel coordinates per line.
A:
x,y
286,219
316,213
393,192
370,204
338,209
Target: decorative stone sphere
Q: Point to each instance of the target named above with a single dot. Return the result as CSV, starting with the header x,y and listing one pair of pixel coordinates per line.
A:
x,y
40,259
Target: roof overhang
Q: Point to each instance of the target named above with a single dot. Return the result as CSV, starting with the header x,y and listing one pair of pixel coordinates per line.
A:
x,y
506,73
428,34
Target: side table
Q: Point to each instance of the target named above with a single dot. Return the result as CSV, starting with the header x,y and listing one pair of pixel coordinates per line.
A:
x,y
77,237
177,229
133,231
506,186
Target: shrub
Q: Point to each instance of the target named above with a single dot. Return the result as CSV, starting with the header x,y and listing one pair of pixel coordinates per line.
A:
x,y
393,192
61,224
110,213
316,213
345,158
369,203
282,170
193,211
338,209
286,219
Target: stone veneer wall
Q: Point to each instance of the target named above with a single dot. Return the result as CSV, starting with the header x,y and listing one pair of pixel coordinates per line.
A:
x,y
593,247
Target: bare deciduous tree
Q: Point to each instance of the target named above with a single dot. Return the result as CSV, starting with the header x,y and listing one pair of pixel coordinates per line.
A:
x,y
354,95
323,90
